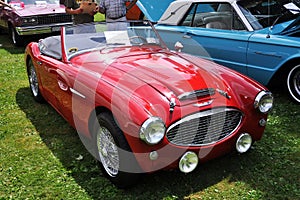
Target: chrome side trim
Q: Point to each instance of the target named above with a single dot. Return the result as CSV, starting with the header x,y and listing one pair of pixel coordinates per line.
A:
x,y
77,93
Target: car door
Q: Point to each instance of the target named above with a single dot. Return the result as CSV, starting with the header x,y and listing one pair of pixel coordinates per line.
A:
x,y
202,33
65,76
268,52
57,79
46,67
225,47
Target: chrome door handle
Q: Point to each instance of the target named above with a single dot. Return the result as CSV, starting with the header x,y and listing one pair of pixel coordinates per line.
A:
x,y
62,85
187,36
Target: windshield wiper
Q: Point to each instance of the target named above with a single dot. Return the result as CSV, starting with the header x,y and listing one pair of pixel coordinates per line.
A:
x,y
282,14
275,21
294,23
116,43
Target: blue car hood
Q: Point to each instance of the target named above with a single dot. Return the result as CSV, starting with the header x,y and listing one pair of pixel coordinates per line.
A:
x,y
153,9
293,27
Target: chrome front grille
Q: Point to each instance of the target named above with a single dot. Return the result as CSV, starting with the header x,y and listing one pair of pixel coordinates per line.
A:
x,y
206,127
54,19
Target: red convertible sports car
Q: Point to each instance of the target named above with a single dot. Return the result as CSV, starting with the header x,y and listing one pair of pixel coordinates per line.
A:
x,y
139,107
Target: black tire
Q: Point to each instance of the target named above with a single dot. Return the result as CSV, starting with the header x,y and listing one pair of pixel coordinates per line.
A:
x,y
16,39
33,82
293,83
112,150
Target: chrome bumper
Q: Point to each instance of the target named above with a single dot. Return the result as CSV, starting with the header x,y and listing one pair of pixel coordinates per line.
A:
x,y
35,30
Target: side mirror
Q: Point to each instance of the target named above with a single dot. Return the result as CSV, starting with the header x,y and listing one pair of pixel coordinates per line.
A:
x,y
178,46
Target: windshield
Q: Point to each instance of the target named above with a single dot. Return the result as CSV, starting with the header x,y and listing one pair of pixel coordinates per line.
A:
x,y
35,2
263,13
87,37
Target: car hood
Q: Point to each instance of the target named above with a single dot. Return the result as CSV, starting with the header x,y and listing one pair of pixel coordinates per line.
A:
x,y
31,10
166,72
153,9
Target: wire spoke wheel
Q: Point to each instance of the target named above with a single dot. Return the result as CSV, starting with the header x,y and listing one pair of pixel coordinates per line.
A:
x,y
33,81
117,161
108,151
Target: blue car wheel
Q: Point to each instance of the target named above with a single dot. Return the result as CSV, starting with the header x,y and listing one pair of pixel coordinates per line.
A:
x,y
293,83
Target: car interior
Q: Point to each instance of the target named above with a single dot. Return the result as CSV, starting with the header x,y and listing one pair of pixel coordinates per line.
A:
x,y
218,16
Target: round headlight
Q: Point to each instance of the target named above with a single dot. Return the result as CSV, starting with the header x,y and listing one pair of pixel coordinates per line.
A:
x,y
264,101
243,143
188,162
152,130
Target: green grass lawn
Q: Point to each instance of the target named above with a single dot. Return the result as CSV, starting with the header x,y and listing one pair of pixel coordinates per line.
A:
x,y
39,155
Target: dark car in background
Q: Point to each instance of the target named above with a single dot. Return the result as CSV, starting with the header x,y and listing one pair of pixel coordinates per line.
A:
x,y
21,18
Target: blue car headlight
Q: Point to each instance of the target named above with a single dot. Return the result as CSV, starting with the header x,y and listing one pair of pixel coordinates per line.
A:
x,y
152,130
264,101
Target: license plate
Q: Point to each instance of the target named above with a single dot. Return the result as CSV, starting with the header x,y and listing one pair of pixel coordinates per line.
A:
x,y
55,29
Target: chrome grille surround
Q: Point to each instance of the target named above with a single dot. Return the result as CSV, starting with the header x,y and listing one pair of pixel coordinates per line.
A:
x,y
205,127
54,19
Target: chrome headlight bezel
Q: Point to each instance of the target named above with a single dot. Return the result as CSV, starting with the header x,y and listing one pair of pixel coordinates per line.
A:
x,y
244,143
152,130
264,101
29,20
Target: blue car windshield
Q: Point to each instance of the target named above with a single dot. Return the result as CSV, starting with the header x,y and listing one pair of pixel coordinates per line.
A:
x,y
264,13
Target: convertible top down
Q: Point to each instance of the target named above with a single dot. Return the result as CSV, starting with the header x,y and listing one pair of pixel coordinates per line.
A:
x,y
139,107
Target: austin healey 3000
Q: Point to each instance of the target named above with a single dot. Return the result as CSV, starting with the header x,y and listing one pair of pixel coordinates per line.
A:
x,y
139,107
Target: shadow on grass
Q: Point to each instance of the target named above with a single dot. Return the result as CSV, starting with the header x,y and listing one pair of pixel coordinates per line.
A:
x,y
261,169
6,43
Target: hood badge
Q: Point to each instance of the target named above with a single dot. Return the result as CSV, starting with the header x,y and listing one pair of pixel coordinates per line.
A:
x,y
206,103
172,104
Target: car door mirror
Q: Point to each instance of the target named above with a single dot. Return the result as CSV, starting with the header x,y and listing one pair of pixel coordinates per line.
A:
x,y
178,46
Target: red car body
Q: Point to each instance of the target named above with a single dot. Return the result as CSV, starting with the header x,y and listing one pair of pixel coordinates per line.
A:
x,y
137,82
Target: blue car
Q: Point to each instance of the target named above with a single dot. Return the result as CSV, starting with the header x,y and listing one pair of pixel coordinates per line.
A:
x,y
259,38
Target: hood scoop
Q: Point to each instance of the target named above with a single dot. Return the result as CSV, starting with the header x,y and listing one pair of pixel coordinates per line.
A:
x,y
192,96
196,94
